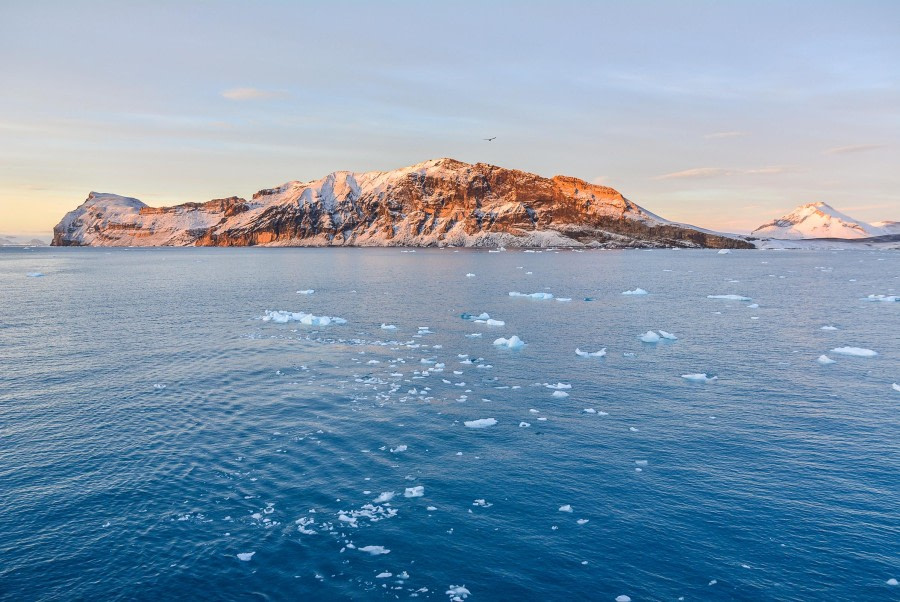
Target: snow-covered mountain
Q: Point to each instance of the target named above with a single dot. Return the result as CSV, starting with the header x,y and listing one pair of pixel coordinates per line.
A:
x,y
9,240
821,220
437,202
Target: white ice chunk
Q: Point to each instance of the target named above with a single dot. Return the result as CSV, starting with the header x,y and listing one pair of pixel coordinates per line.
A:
x,y
374,550
388,327
308,291
891,581
470,275
524,424
637,291
558,386
895,387
384,575
855,351
481,423
398,449
699,378
542,296
623,598
581,353
560,394
512,342
245,556
282,317
35,274
667,335
650,337
493,322
385,496
566,508
883,298
824,359
724,251
729,297
418,491
458,592
829,328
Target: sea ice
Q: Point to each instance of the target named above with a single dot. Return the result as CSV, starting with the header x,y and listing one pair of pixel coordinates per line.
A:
x,y
699,378
458,593
724,251
470,275
895,387
855,351
558,386
729,297
418,491
308,291
566,508
481,423
282,317
667,335
524,424
245,556
374,550
637,291
824,359
882,298
512,342
35,274
388,327
385,496
650,337
891,581
542,296
623,598
399,448
384,575
581,353
582,521
563,299
560,394
829,328
493,322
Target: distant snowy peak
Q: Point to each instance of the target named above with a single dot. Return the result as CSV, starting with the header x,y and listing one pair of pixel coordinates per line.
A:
x,y
821,220
434,203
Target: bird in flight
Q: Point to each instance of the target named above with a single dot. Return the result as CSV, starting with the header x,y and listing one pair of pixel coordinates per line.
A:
x,y
489,139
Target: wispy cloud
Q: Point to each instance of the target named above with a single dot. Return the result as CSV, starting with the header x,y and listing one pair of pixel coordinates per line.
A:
x,y
853,148
718,135
697,172
716,172
251,94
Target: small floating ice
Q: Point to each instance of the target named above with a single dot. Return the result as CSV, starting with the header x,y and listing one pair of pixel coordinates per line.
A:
x,y
282,317
581,353
383,575
753,306
637,291
895,387
855,351
470,275
459,592
650,337
398,449
729,297
481,423
623,598
374,550
35,274
418,491
388,327
308,291
245,556
524,424
892,581
724,252
558,386
542,296
512,342
667,335
566,508
828,328
385,496
560,394
563,299
699,378
824,360
882,298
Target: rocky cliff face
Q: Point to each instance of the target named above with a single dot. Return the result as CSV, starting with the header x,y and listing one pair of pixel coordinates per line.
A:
x,y
438,202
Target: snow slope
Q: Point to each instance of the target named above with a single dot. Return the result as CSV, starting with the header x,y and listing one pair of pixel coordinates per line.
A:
x,y
820,220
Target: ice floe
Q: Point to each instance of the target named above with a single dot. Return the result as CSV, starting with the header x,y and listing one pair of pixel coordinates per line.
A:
x,y
855,351
895,387
35,274
729,297
388,327
481,423
667,335
824,359
828,328
558,386
385,496
512,342
699,378
282,317
458,593
565,508
623,598
245,556
542,296
650,337
883,298
560,394
417,491
724,251
308,291
470,275
374,550
637,291
581,353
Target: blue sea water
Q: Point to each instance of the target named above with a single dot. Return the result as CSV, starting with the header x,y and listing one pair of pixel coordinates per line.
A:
x,y
153,427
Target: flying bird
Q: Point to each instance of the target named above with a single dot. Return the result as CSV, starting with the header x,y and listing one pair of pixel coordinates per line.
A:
x,y
489,139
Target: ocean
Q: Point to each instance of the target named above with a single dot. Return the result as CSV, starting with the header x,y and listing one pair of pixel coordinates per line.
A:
x,y
184,424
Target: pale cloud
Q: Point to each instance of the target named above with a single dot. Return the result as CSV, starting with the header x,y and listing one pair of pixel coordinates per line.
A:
x,y
601,181
716,172
853,148
251,94
717,135
697,172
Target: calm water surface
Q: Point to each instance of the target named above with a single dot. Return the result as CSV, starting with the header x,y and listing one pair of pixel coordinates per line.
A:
x,y
153,427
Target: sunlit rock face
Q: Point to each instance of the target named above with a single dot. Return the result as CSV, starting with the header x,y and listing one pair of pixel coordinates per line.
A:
x,y
436,203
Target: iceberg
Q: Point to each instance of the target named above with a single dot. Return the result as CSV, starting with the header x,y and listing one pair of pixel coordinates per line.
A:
x,y
729,297
825,360
637,291
558,386
699,378
882,298
388,327
566,508
650,337
481,423
542,296
581,353
470,275
282,317
667,335
308,291
374,550
245,556
724,251
35,274
895,387
855,351
560,394
512,342
418,491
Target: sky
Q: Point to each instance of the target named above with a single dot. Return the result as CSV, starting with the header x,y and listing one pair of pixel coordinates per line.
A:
x,y
722,114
